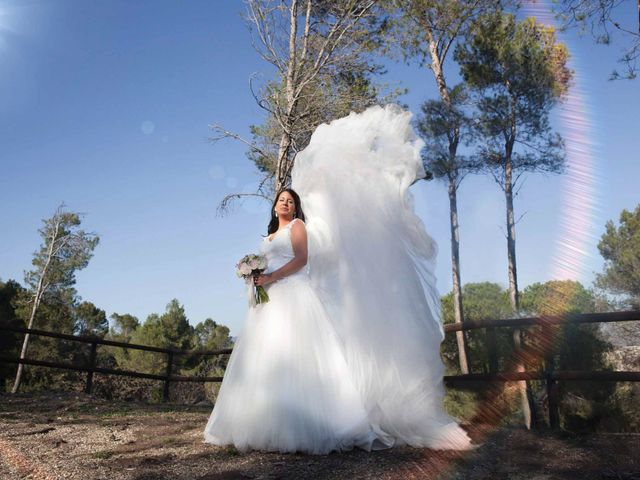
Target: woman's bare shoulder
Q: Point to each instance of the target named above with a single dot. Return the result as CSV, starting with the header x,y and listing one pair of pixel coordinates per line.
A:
x,y
297,224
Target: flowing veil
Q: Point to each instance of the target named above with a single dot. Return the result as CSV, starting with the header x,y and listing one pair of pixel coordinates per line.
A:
x,y
372,263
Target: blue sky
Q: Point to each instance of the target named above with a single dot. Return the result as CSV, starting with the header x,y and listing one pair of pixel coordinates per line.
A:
x,y
105,105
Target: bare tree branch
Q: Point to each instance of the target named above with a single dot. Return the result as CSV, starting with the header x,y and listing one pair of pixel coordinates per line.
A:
x,y
225,204
223,133
519,218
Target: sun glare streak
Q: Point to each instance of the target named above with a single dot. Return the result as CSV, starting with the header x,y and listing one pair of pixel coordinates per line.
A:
x,y
579,203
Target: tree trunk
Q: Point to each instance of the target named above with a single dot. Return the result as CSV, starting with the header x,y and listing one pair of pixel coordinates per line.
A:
x,y
463,350
526,395
25,343
283,167
436,67
514,295
283,158
36,303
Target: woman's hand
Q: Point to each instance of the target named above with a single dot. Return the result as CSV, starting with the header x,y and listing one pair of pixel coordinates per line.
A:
x,y
262,280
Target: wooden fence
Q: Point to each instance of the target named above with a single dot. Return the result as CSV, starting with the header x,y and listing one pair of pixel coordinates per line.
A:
x,y
541,348
92,368
549,374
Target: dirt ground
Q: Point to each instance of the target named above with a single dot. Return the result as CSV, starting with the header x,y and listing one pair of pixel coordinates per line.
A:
x,y
76,436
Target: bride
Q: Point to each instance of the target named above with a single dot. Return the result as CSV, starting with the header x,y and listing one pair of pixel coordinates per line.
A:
x,y
346,352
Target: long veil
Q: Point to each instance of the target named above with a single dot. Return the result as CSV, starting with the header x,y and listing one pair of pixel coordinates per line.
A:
x,y
372,263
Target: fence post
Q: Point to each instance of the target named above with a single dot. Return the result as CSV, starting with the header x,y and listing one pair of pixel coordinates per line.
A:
x,y
92,366
492,348
552,385
165,392
552,397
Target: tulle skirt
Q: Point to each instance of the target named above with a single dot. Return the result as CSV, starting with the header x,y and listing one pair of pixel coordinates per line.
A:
x,y
287,386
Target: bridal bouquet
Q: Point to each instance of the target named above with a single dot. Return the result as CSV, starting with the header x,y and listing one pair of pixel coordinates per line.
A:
x,y
248,267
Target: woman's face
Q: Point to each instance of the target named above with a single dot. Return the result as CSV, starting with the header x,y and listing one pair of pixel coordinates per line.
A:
x,y
285,205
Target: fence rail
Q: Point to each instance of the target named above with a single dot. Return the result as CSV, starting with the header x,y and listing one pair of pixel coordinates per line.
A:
x,y
628,316
549,374
545,352
92,368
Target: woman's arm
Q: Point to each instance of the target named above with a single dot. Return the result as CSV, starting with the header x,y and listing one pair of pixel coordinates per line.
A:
x,y
299,260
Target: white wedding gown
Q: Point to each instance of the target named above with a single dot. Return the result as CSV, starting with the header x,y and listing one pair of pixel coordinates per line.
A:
x,y
287,386
347,351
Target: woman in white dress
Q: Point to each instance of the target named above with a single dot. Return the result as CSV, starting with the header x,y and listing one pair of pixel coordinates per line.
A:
x,y
346,352
287,387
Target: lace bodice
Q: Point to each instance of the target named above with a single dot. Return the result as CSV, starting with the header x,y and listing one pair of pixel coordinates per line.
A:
x,y
279,251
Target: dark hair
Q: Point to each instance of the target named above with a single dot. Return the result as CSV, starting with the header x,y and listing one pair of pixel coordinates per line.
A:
x,y
275,223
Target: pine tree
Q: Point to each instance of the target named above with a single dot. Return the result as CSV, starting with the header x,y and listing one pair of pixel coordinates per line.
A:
x,y
65,250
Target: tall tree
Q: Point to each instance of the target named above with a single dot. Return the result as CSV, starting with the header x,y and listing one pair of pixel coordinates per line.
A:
x,y
518,73
441,125
65,250
328,30
318,49
56,313
426,30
